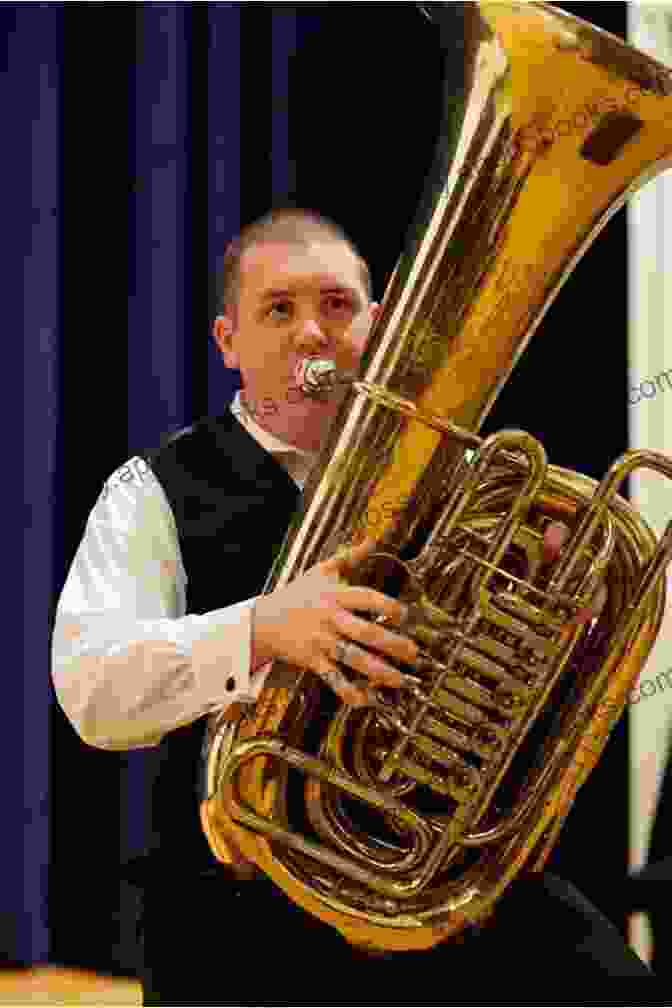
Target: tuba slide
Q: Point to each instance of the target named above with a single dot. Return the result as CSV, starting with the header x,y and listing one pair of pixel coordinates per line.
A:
x,y
402,823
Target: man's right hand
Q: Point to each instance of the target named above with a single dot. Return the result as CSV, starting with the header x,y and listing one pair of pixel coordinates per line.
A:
x,y
303,622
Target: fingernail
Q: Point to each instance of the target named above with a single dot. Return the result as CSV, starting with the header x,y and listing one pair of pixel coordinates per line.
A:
x,y
555,538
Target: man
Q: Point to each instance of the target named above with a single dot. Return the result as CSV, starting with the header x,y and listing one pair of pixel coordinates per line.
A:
x,y
152,636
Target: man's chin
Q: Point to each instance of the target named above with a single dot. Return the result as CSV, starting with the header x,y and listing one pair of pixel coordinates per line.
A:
x,y
325,401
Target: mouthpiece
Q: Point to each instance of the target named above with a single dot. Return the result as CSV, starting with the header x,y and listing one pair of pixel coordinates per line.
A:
x,y
318,376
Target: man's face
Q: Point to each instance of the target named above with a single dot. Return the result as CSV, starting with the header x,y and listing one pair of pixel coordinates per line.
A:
x,y
295,301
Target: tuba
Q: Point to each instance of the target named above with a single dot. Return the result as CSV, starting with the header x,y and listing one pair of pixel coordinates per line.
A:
x,y
402,823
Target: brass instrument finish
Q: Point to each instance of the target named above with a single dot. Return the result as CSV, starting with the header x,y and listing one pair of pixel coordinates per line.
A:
x,y
402,823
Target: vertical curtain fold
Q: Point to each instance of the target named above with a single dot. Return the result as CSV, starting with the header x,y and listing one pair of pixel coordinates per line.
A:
x,y
224,164
31,237
160,305
283,51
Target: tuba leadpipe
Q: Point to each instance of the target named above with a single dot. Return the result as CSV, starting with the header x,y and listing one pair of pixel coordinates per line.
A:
x,y
402,824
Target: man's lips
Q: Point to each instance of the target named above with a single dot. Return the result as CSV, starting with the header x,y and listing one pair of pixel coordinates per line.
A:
x,y
320,376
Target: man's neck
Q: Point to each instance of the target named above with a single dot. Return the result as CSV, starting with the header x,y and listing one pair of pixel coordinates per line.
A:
x,y
307,438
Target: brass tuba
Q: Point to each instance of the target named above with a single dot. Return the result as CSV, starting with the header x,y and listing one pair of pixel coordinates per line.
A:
x,y
402,823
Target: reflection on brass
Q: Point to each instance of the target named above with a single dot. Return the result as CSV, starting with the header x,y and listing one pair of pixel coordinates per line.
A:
x,y
402,823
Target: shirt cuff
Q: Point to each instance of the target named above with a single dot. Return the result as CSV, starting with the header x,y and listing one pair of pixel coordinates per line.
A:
x,y
220,646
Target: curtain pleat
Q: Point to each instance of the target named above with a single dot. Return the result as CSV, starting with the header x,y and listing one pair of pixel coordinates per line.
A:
x,y
32,218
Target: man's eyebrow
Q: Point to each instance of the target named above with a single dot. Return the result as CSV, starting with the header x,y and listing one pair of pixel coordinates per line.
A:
x,y
338,289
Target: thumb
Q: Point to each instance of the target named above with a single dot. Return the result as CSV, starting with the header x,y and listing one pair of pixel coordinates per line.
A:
x,y
348,557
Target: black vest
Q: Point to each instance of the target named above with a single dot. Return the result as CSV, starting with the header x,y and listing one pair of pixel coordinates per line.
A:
x,y
232,502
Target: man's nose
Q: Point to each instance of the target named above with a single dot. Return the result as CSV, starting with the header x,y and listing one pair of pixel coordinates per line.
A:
x,y
310,335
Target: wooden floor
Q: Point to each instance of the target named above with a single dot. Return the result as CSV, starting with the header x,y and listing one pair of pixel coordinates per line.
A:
x,y
51,985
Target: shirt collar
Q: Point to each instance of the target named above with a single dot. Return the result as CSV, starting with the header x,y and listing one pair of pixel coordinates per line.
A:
x,y
297,461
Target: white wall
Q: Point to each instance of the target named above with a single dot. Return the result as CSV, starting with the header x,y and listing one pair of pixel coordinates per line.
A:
x,y
650,426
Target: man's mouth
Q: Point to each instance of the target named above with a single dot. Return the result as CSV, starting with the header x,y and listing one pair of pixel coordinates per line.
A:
x,y
316,376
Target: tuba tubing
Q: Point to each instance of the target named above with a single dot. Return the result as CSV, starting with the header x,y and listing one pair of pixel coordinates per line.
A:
x,y
402,824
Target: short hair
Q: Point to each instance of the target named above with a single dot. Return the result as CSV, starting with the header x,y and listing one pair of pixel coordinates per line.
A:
x,y
281,224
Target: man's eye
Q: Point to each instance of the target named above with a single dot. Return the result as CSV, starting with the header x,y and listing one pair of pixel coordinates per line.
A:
x,y
341,303
336,303
280,304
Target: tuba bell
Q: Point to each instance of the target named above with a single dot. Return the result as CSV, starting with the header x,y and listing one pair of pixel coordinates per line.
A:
x,y
402,823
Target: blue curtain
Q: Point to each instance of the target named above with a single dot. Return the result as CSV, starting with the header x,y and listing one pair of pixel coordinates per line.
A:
x,y
135,144
32,220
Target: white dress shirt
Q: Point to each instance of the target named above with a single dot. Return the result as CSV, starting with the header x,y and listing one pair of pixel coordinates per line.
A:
x,y
128,664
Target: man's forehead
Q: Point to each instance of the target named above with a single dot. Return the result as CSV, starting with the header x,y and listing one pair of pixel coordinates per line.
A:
x,y
286,264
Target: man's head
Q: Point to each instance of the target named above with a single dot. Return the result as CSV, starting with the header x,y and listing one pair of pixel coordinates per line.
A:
x,y
293,286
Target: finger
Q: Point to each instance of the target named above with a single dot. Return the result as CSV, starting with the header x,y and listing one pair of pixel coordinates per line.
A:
x,y
330,673
360,599
372,667
353,554
373,635
555,537
347,557
366,694
587,613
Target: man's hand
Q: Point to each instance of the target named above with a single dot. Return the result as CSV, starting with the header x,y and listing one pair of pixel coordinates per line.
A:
x,y
303,622
555,538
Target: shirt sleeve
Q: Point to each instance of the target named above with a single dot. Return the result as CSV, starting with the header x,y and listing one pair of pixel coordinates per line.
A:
x,y
128,664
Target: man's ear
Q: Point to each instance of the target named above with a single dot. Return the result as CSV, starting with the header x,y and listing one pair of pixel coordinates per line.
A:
x,y
375,310
222,333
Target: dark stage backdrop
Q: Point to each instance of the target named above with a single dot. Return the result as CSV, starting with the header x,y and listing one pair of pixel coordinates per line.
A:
x,y
142,138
